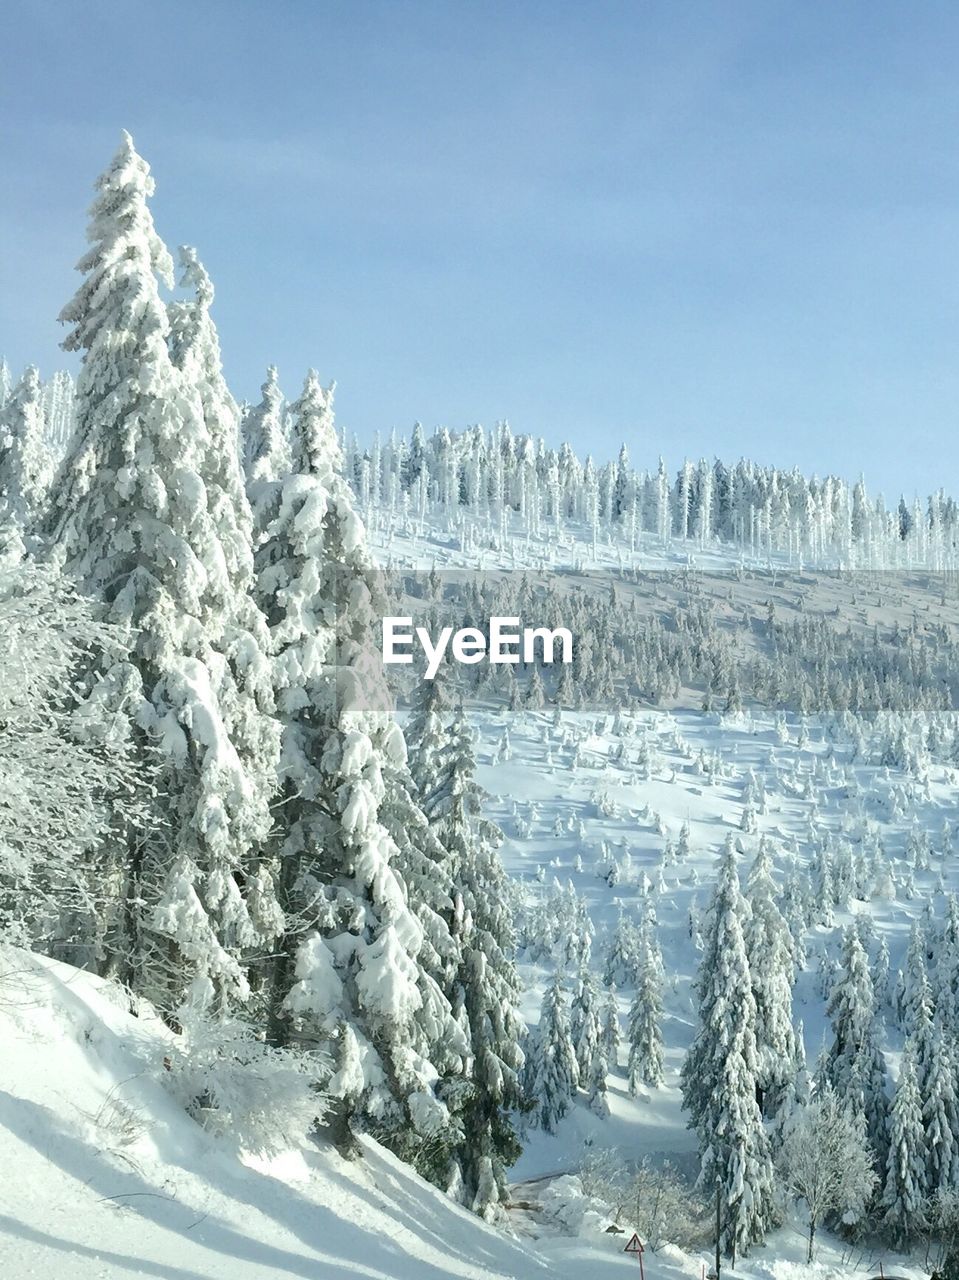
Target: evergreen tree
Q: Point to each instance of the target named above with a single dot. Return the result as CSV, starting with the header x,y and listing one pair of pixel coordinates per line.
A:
x,y
610,1020
855,1065
585,1024
644,1029
354,977
266,449
904,1192
486,985
555,1075
428,742
769,948
26,464
140,522
720,1074
940,1111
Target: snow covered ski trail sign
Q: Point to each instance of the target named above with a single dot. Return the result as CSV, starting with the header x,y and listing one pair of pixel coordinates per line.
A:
x,y
636,1246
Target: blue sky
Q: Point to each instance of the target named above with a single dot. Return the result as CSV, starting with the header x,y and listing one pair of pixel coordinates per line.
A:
x,y
727,228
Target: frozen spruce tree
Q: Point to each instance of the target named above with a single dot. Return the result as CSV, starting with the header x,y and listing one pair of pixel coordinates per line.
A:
x,y
644,1031
555,1077
427,737
351,978
26,464
610,1021
946,974
585,1022
904,1193
913,985
486,986
595,1084
854,1063
940,1111
721,1072
141,521
770,950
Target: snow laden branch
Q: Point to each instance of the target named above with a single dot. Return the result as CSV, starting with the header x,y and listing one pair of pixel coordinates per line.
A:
x,y
62,766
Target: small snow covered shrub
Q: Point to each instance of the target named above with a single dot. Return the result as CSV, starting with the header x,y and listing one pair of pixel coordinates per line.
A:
x,y
265,1099
603,1175
118,1124
653,1201
664,1209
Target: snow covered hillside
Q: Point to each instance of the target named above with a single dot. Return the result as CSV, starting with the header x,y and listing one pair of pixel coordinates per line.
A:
x,y
103,1175
380,975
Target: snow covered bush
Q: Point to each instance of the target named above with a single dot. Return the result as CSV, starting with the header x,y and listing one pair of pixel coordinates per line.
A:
x,y
654,1201
665,1209
604,1175
233,1084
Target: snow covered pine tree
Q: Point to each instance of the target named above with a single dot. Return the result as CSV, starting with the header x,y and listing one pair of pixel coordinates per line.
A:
x,y
146,520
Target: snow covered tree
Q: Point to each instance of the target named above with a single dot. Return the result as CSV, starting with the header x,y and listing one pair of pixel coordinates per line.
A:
x,y
139,522
26,464
610,1021
940,1111
266,449
644,1032
485,986
769,948
825,1160
622,954
913,986
903,1198
351,979
428,742
61,769
855,1065
555,1074
594,1082
720,1073
946,973
585,1024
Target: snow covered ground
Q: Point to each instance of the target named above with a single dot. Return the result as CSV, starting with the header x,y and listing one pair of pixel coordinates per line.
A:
x,y
102,1174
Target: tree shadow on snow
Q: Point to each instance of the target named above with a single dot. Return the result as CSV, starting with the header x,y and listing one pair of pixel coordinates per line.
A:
x,y
375,1255
15,1230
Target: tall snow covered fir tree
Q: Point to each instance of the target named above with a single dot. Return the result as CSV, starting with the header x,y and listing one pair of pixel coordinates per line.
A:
x,y
145,519
486,986
351,978
720,1075
552,1071
644,1033
904,1198
855,1064
770,951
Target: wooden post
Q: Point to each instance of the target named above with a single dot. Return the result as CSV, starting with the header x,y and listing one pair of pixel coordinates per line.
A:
x,y
719,1189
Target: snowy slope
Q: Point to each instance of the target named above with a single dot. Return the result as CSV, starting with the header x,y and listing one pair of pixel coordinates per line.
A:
x,y
103,1176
